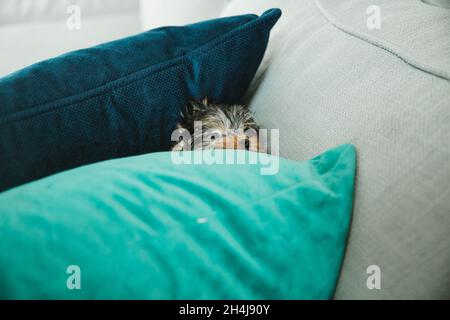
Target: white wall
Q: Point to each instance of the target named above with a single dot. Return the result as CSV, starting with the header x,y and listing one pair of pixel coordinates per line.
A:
x,y
35,30
157,13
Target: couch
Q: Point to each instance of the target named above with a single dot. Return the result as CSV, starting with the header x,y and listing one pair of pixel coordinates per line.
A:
x,y
326,79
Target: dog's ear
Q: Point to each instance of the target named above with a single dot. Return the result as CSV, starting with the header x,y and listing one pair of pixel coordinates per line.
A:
x,y
245,106
189,110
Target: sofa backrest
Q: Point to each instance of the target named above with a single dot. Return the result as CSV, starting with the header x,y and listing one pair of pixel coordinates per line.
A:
x,y
330,76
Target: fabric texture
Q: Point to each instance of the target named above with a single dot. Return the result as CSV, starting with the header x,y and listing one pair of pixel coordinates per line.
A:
x,y
146,228
124,97
421,40
332,80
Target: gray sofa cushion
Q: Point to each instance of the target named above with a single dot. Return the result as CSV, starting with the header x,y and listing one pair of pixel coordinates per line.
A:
x,y
327,79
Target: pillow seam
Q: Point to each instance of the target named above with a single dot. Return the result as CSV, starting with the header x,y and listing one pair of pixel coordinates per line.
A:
x,y
382,44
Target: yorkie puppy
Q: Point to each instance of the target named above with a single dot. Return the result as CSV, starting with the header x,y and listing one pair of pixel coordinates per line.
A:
x,y
217,126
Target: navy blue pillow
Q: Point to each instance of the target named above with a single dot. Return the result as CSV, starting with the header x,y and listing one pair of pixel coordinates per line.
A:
x,y
124,97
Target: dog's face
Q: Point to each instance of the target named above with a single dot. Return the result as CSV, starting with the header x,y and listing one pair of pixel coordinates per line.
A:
x,y
219,126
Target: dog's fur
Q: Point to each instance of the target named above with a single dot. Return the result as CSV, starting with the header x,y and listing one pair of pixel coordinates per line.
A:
x,y
222,127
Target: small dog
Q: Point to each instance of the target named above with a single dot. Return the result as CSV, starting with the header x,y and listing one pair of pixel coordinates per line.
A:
x,y
217,126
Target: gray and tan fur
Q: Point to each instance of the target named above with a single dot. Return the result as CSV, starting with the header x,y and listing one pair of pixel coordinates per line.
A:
x,y
222,126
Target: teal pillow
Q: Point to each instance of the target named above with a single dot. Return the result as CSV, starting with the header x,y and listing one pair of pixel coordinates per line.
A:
x,y
144,227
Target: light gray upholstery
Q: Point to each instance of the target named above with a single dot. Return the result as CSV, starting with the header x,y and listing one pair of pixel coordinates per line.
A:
x,y
327,79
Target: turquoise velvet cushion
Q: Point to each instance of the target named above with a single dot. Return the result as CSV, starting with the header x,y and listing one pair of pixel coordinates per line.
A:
x,y
145,228
124,97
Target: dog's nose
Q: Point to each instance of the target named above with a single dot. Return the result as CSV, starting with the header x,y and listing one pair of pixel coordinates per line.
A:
x,y
231,142
235,141
241,142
